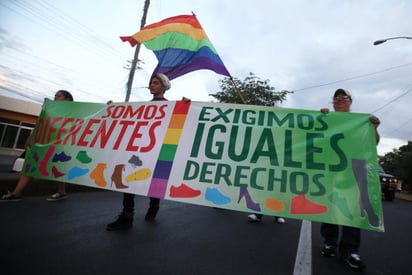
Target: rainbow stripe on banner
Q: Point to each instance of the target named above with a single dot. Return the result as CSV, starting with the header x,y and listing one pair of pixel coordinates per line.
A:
x,y
163,167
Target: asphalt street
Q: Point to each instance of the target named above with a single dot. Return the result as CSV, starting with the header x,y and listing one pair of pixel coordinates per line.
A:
x,y
69,237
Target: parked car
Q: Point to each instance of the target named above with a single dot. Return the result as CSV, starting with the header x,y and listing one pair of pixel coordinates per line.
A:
x,y
389,184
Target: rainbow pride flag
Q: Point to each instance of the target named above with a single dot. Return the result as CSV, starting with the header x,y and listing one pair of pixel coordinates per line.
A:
x,y
180,45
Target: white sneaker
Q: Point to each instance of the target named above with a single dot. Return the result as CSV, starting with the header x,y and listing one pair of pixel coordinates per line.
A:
x,y
56,197
253,218
280,220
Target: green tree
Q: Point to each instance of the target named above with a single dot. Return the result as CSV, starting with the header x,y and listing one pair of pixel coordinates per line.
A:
x,y
253,90
399,163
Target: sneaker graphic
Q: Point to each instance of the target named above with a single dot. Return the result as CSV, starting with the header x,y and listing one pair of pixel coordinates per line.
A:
x,y
183,191
213,195
76,172
62,157
301,205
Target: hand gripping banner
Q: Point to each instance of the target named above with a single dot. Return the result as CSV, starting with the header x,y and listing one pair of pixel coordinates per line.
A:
x,y
292,163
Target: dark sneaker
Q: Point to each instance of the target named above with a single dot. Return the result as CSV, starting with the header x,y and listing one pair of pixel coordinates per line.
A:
x,y
56,197
254,218
151,213
354,261
328,250
123,221
280,220
9,197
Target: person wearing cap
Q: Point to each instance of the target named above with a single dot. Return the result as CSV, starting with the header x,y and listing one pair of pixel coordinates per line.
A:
x,y
349,242
159,84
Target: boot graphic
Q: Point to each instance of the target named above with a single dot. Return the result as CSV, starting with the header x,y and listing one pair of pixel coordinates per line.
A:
x,y
301,205
140,174
275,204
83,157
98,174
213,195
360,171
117,176
244,193
45,160
183,191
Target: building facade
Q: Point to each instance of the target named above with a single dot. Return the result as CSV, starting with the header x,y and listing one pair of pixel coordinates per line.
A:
x,y
17,120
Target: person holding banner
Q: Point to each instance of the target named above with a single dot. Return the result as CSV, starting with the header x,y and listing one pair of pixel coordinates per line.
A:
x,y
24,180
349,242
159,84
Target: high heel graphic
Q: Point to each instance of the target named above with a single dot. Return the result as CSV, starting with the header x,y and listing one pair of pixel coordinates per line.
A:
x,y
213,195
243,192
57,173
183,191
141,174
45,160
98,174
117,176
360,172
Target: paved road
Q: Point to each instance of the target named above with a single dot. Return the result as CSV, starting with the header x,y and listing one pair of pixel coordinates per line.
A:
x,y
68,237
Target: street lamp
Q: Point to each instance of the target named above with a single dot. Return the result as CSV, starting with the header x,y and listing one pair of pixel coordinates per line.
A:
x,y
380,41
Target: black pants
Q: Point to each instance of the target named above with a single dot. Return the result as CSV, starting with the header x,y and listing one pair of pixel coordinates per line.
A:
x,y
128,202
349,240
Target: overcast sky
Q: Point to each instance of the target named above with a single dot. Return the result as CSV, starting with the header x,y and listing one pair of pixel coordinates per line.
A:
x,y
310,47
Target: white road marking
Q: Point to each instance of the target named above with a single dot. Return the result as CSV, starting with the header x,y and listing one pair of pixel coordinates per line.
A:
x,y
303,262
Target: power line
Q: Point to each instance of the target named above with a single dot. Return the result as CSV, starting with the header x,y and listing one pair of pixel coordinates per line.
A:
x,y
353,77
393,100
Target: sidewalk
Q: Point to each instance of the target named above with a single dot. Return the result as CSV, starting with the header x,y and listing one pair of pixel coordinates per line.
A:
x,y
37,187
403,195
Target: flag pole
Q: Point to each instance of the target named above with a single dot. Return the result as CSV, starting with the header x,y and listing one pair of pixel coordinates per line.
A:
x,y
238,91
136,53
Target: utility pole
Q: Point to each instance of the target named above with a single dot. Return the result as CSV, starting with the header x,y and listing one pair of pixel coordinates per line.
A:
x,y
136,53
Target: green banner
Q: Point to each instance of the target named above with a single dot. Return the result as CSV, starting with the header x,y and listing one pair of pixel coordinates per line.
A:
x,y
282,162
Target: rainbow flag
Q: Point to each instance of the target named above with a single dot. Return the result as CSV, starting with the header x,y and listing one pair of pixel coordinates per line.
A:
x,y
180,45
